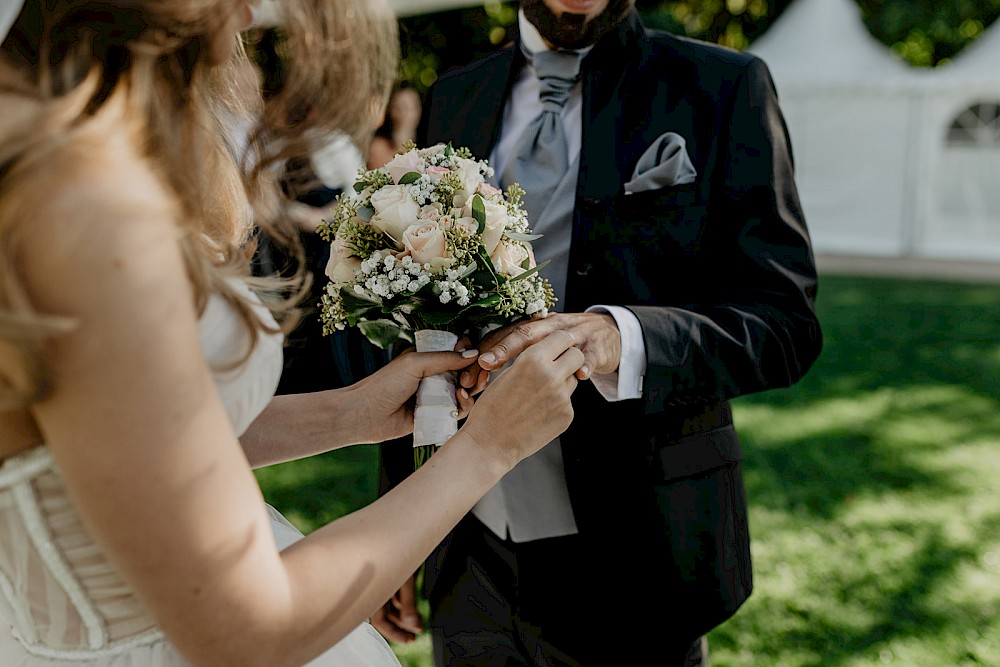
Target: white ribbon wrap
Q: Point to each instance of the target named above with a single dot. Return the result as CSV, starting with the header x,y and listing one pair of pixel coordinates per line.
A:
x,y
435,418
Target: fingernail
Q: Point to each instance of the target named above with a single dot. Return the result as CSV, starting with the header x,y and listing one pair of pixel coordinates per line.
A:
x,y
464,393
489,358
468,354
585,370
410,620
464,379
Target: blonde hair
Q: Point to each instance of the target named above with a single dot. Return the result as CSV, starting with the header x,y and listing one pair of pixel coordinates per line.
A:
x,y
72,56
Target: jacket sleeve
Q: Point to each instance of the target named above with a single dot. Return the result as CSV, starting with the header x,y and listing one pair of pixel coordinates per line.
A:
x,y
753,324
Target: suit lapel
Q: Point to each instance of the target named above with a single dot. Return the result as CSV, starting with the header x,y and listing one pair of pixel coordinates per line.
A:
x,y
482,117
607,70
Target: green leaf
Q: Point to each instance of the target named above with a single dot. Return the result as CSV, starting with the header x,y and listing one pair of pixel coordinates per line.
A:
x,y
409,177
479,213
365,213
359,186
355,303
381,332
439,318
527,238
488,301
529,272
448,150
486,264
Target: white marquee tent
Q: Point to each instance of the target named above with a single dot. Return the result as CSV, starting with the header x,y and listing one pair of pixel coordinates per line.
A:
x,y
891,160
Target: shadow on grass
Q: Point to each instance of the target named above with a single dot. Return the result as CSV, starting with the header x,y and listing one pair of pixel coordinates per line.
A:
x,y
863,478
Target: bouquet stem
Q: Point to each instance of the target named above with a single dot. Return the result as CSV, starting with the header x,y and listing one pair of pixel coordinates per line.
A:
x,y
435,418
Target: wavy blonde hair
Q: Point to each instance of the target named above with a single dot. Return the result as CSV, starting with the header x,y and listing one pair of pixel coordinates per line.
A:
x,y
71,56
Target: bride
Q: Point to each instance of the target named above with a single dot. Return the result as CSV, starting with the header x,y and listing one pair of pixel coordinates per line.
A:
x,y
138,360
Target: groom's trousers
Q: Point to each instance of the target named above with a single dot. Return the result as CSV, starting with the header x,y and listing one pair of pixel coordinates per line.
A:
x,y
487,595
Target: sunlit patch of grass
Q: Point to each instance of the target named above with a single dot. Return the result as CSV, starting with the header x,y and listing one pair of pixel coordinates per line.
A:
x,y
873,489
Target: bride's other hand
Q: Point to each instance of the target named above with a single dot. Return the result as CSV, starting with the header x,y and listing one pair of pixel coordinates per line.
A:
x,y
528,404
384,405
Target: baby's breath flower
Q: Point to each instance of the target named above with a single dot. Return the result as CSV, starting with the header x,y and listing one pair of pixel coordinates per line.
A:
x,y
395,285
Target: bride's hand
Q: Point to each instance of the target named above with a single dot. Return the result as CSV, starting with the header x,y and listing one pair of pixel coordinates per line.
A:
x,y
384,399
528,404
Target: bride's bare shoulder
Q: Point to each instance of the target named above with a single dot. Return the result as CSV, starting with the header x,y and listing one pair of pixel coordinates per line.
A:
x,y
95,193
99,230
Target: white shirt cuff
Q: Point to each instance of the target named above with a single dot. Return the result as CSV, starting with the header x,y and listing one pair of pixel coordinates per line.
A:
x,y
626,382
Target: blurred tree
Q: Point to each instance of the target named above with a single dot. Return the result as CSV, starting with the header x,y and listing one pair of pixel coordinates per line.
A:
x,y
928,32
925,33
434,43
733,23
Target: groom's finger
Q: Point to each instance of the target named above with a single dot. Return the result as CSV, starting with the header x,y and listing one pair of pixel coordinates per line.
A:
x,y
554,346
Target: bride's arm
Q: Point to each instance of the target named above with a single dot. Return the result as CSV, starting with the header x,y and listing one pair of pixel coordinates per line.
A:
x,y
151,461
374,409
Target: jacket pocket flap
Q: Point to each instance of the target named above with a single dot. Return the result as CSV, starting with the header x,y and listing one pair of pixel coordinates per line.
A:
x,y
699,453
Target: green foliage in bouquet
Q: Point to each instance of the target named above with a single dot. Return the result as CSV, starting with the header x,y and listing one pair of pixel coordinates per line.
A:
x,y
426,243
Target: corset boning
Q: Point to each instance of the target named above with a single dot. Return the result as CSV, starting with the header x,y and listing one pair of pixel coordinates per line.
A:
x,y
63,597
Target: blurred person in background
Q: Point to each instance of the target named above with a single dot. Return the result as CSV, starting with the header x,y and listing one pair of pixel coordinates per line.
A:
x,y
401,120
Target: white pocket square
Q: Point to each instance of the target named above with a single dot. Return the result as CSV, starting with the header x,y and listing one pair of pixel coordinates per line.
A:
x,y
663,164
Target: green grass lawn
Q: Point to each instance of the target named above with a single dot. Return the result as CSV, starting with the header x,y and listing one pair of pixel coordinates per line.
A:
x,y
874,488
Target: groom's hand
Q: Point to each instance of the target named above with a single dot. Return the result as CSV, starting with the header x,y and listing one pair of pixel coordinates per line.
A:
x,y
596,334
398,620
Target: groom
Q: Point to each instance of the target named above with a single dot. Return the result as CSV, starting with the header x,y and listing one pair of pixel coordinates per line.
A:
x,y
658,169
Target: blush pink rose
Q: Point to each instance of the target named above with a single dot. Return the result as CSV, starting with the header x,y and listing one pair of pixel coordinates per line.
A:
x,y
403,164
435,173
342,266
425,242
488,191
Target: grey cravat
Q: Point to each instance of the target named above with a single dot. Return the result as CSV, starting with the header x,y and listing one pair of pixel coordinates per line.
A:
x,y
532,501
541,156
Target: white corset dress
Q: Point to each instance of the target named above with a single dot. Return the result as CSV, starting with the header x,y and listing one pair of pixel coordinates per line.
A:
x,y
62,603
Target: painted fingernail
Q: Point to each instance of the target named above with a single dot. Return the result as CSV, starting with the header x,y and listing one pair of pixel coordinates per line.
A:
x,y
468,354
463,392
464,379
585,370
489,358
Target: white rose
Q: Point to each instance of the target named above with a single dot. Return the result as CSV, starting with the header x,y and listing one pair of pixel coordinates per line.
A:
x,y
425,242
436,149
469,175
395,210
401,165
468,224
508,257
430,211
496,224
461,199
342,266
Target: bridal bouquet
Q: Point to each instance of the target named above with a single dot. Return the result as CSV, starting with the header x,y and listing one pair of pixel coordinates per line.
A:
x,y
425,250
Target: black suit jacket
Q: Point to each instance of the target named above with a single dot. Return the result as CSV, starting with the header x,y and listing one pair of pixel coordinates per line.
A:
x,y
719,273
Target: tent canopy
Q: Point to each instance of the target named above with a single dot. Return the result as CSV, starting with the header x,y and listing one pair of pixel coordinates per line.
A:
x,y
816,41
